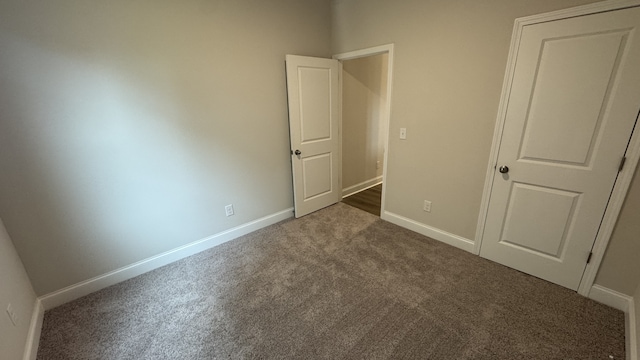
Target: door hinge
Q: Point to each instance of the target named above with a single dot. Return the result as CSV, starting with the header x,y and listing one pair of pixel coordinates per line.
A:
x,y
589,257
624,159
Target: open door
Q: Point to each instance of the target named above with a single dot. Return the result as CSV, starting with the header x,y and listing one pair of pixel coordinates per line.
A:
x,y
314,124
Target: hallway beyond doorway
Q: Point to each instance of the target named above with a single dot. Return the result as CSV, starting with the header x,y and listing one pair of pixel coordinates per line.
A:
x,y
368,200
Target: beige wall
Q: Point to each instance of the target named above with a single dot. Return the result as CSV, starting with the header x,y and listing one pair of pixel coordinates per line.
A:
x,y
449,64
620,268
127,126
15,288
364,94
450,58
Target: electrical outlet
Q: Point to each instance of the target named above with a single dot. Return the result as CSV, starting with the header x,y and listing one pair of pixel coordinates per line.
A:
x,y
229,209
12,315
403,133
426,206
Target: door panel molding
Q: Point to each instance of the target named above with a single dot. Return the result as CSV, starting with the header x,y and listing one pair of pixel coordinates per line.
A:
x,y
559,219
624,178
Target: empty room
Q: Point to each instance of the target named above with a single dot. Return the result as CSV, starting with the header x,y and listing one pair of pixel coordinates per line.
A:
x,y
335,179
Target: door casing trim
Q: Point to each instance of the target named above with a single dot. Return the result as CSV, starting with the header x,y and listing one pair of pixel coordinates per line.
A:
x,y
623,181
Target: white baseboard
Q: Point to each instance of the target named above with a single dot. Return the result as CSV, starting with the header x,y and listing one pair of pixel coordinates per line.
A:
x,y
35,328
632,332
623,303
434,233
611,298
361,186
87,287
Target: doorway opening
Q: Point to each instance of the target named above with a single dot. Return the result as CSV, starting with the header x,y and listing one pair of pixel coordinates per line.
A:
x,y
365,106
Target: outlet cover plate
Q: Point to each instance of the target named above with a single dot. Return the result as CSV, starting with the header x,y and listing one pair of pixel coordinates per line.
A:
x,y
228,210
12,315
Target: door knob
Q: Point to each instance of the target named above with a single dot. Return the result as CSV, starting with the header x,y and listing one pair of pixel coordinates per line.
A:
x,y
298,152
503,169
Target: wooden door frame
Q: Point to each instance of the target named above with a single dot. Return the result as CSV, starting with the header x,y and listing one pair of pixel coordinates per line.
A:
x,y
624,178
376,50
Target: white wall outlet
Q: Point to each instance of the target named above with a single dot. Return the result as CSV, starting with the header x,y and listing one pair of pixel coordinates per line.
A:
x,y
403,133
426,206
12,315
229,209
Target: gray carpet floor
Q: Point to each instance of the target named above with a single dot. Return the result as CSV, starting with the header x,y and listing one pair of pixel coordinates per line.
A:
x,y
337,284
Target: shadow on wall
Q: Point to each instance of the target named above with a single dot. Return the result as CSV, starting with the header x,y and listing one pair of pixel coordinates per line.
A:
x,y
103,150
364,118
125,126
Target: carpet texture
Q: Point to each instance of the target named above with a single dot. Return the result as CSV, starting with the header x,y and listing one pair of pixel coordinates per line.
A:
x,y
337,284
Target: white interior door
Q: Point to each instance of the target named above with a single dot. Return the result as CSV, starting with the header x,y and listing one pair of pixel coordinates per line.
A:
x,y
572,107
314,124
